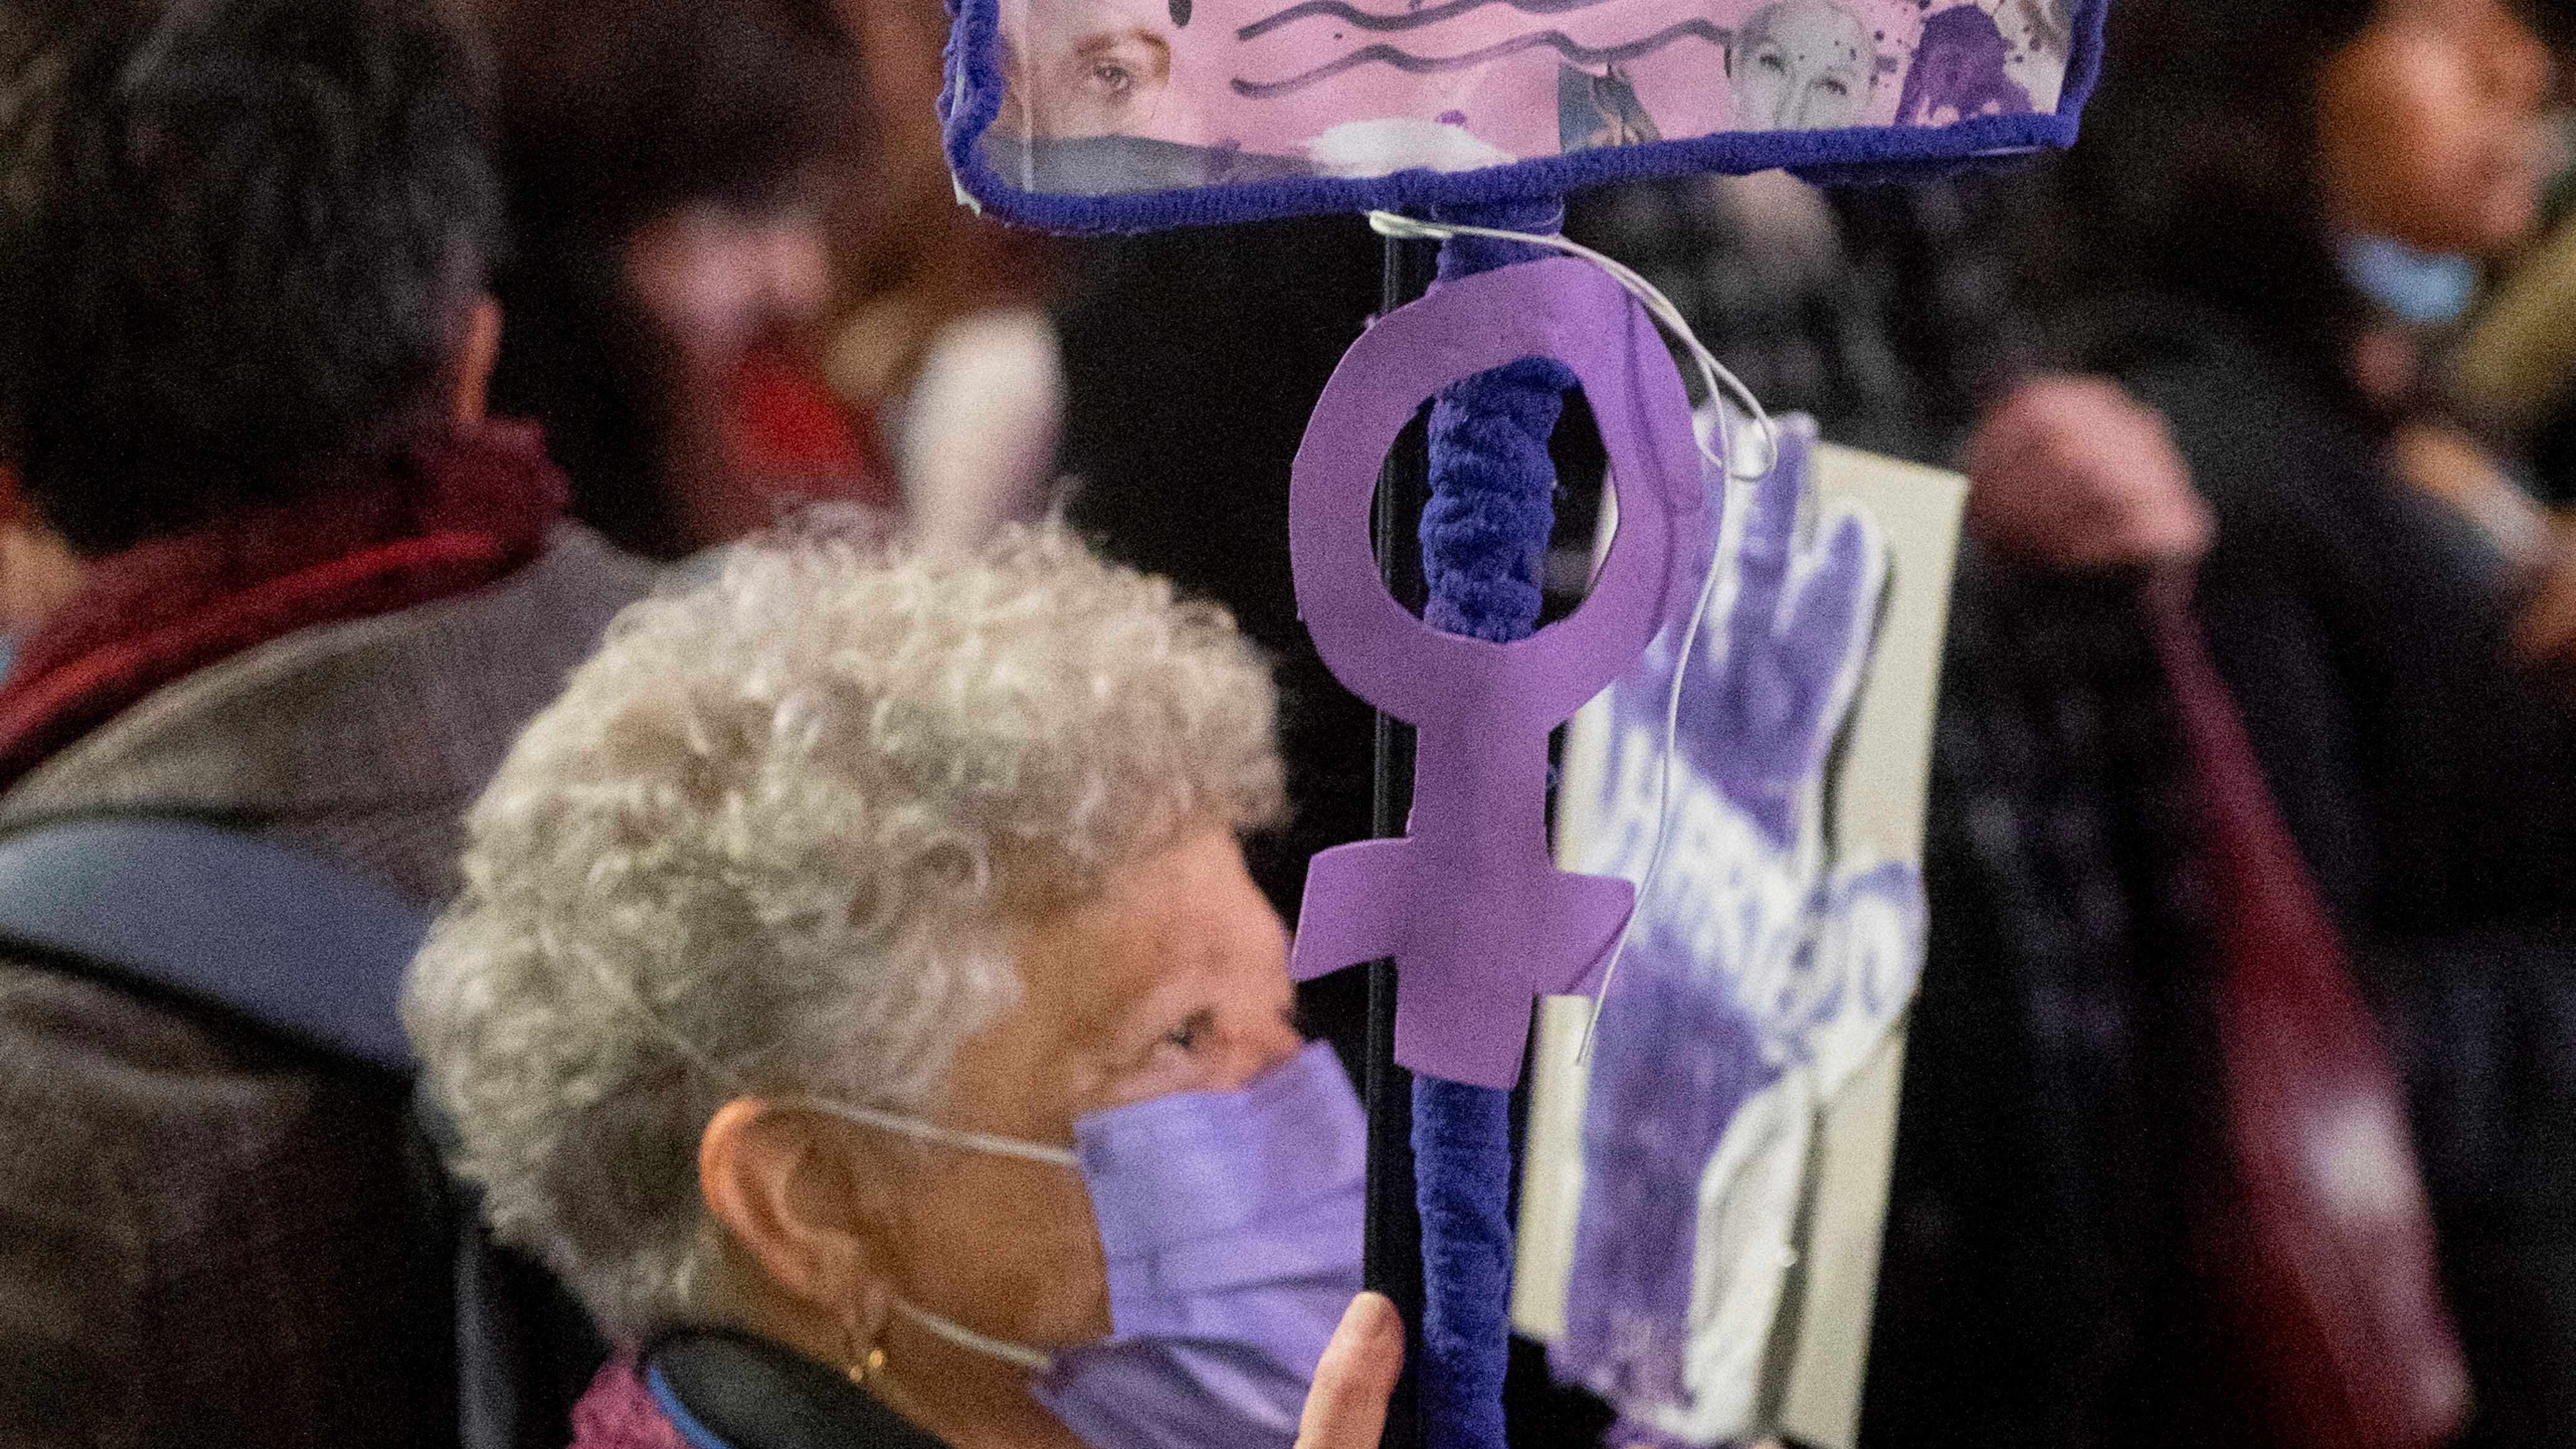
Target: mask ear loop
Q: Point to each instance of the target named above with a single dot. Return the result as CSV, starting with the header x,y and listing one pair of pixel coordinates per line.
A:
x,y
872,1363
922,1131
1018,1356
1721,385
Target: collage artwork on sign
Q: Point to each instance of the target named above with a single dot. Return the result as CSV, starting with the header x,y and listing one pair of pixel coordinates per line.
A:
x,y
1104,97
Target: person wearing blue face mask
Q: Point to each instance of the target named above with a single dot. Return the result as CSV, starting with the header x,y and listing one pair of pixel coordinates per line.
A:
x,y
2419,289
2268,210
859,998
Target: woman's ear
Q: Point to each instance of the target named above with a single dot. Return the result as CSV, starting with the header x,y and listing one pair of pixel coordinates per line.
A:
x,y
792,1200
478,351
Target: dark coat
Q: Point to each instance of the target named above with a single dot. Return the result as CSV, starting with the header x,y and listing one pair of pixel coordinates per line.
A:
x,y
2430,782
207,1236
2362,626
2061,1127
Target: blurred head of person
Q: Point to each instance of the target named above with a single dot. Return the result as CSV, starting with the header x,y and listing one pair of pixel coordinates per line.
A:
x,y
2430,128
243,254
945,841
667,163
2231,150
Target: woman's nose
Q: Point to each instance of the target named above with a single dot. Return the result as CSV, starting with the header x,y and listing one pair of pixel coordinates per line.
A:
x,y
1269,1035
1272,1041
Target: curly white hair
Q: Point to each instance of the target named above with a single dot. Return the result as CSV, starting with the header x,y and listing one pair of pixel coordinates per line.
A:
x,y
771,838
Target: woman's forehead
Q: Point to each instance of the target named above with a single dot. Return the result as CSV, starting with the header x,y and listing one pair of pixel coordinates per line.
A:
x,y
1188,922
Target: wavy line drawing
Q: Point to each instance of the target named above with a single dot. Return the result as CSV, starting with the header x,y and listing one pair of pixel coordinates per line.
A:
x,y
1370,20
1412,64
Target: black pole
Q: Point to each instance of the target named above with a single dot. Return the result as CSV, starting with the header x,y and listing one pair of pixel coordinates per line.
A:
x,y
1393,1251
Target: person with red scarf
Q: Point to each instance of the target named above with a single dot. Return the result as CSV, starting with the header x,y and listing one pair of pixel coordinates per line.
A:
x,y
311,593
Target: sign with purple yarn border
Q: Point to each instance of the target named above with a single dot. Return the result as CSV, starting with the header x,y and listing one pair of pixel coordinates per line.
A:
x,y
1137,115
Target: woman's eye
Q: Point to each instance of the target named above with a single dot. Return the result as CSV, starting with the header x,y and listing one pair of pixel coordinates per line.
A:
x,y
1773,61
1833,87
1117,80
1193,1031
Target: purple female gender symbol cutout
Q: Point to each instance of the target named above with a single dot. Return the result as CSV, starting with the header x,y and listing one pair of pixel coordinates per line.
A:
x,y
1469,903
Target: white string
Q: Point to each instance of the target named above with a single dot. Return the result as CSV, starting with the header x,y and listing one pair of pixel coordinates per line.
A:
x,y
1713,374
1663,794
920,1130
1033,1360
632,998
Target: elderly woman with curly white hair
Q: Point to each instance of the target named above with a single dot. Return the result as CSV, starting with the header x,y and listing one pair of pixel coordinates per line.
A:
x,y
859,999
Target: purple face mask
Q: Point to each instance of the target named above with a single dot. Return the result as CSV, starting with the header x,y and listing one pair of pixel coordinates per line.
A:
x,y
1231,1225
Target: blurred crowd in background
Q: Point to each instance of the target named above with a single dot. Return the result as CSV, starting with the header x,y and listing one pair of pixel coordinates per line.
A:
x,y
2297,316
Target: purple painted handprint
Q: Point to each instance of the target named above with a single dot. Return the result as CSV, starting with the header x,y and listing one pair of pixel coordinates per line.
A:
x,y
1688,1064
1771,689
1758,977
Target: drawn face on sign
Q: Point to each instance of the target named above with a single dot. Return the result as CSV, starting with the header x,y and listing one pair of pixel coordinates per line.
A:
x,y
1106,96
1801,65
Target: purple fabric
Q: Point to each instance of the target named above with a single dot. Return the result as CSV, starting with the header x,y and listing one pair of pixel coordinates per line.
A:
x,y
1465,256
971,99
618,1412
1493,499
1469,904
1202,1193
1182,1394
1462,1166
1231,1226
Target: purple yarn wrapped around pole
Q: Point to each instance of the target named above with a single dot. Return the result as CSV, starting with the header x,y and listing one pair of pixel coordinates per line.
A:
x,y
1484,549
